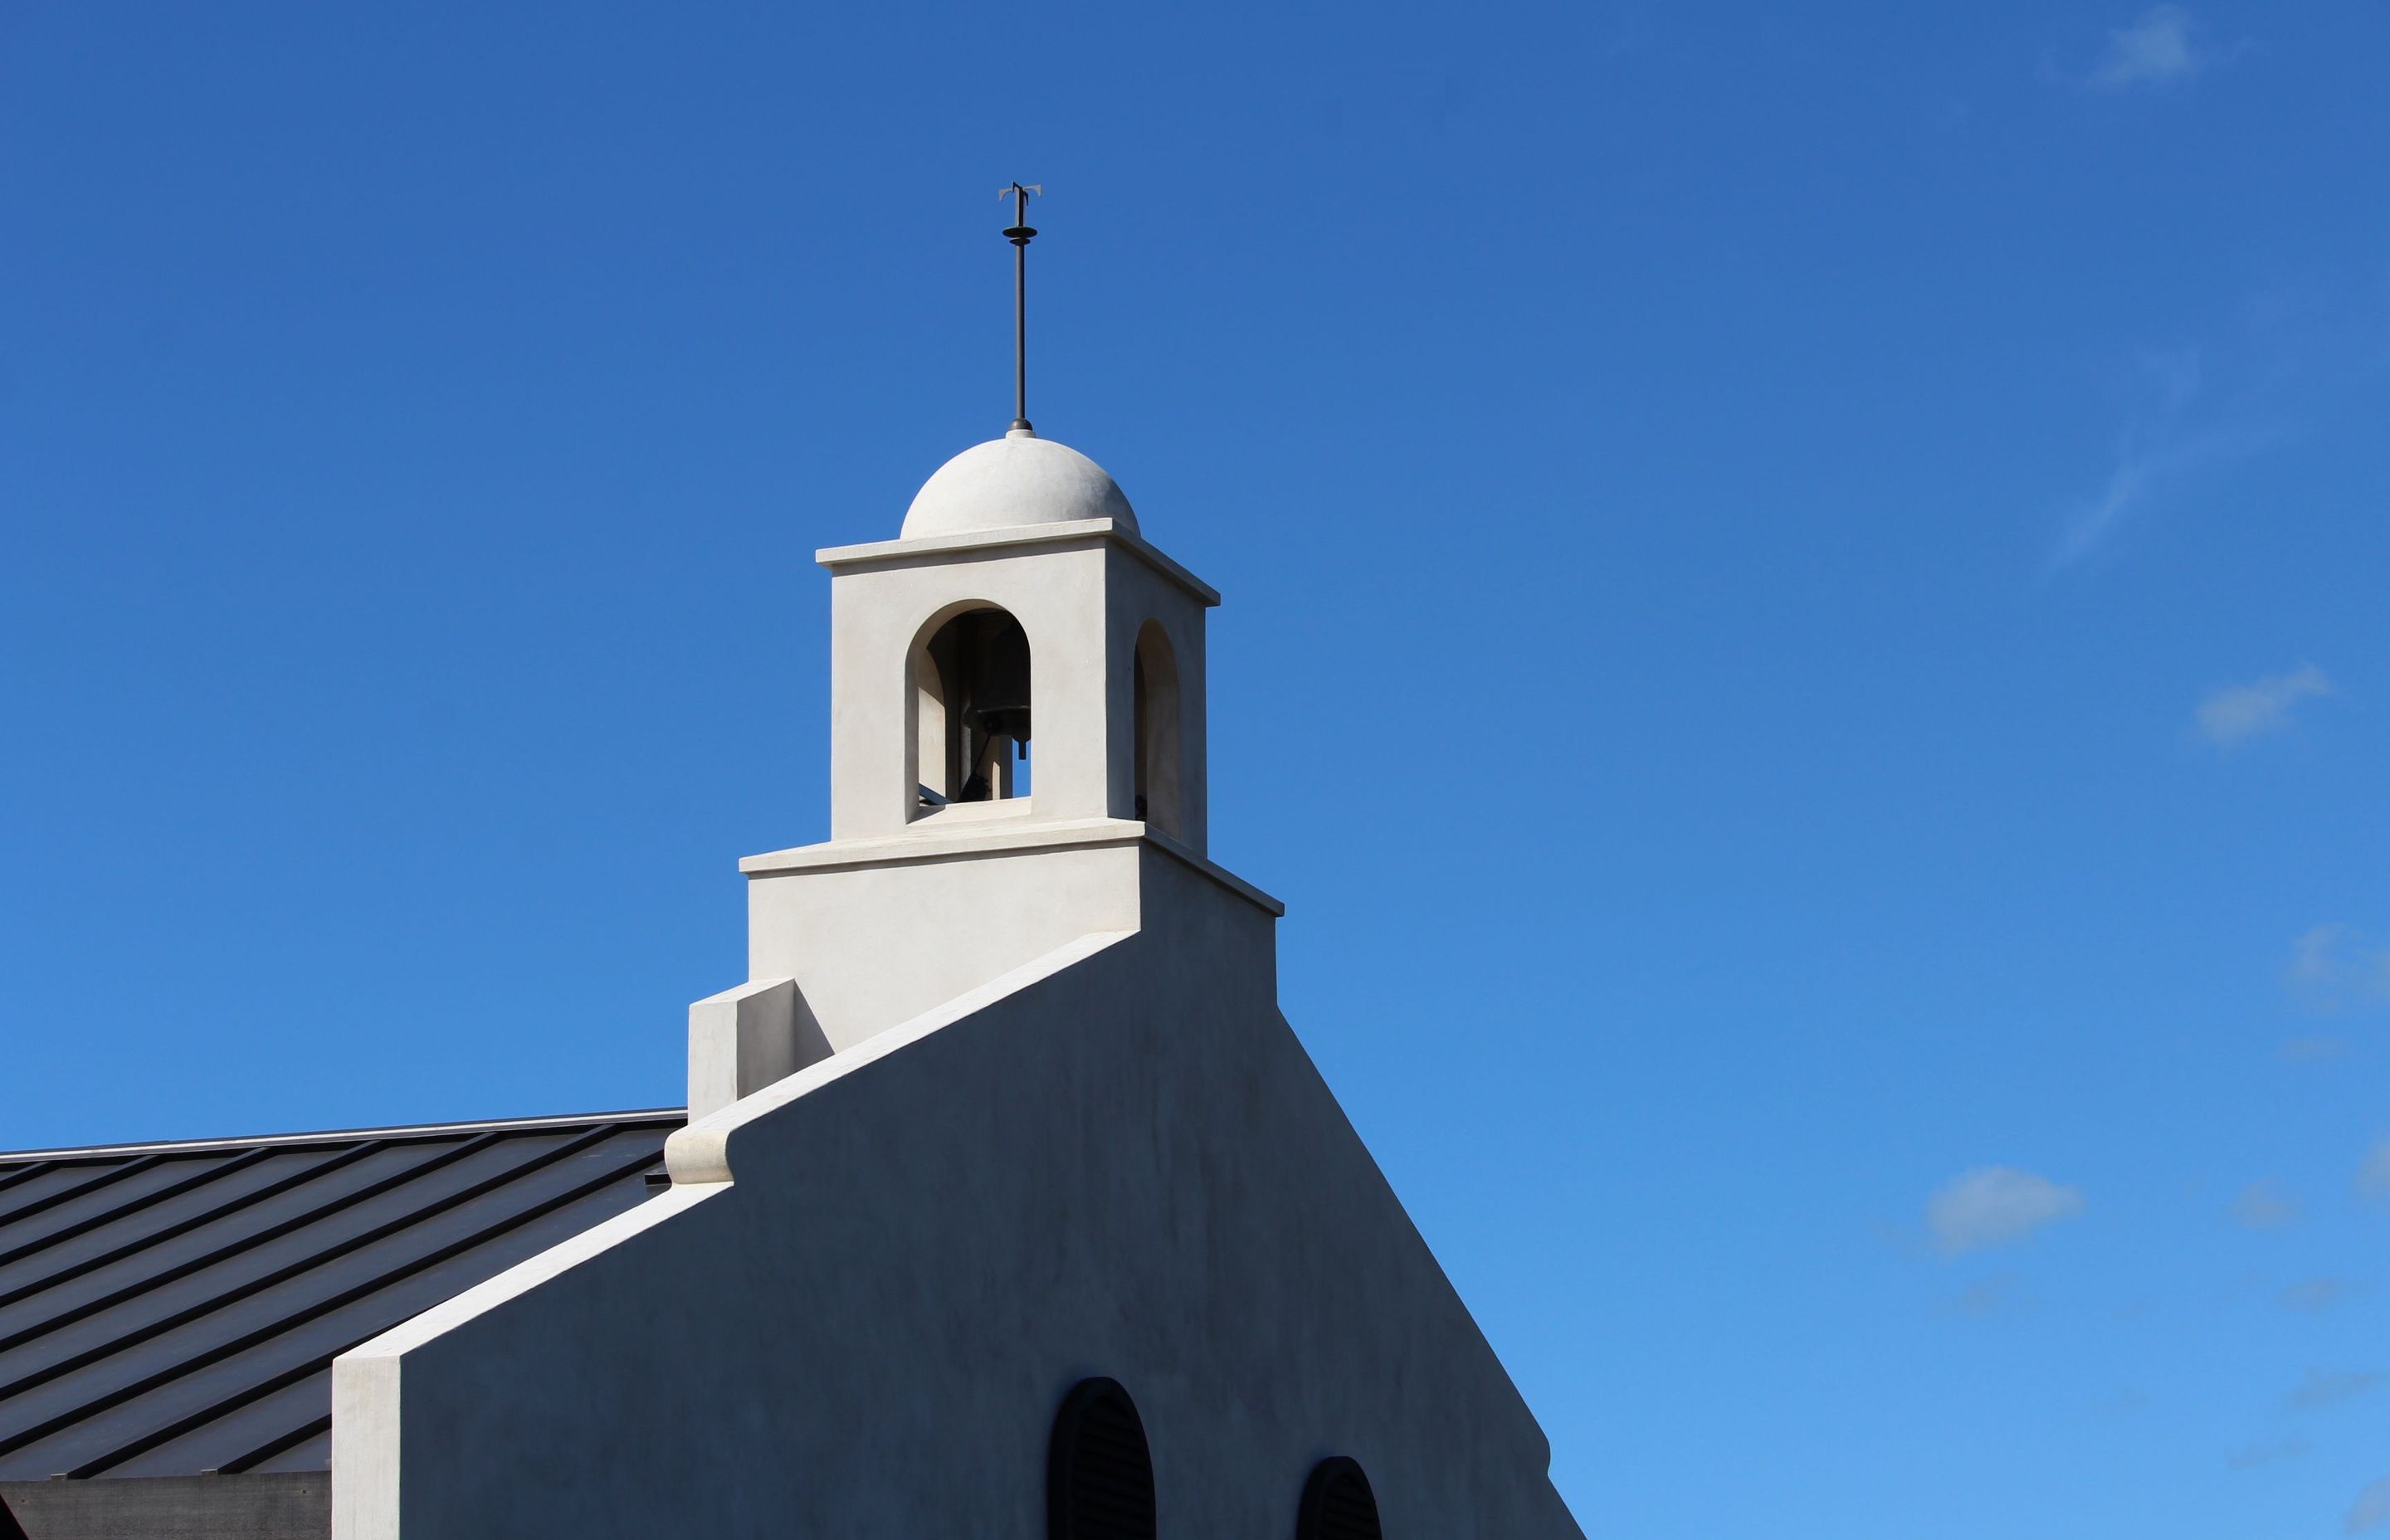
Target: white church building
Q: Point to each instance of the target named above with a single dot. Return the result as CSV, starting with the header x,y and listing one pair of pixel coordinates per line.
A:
x,y
1005,1204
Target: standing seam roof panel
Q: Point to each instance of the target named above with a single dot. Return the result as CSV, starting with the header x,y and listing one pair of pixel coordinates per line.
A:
x,y
174,1309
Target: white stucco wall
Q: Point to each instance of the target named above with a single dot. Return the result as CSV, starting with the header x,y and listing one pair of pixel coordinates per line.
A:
x,y
875,945
1117,1162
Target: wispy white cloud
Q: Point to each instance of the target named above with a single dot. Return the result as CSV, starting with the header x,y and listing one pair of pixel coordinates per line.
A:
x,y
2312,958
2168,438
2163,46
1995,1205
2186,415
2313,1050
2322,1388
2310,1295
2263,1206
2370,1510
2333,969
2253,1455
1986,1298
2373,1173
2232,715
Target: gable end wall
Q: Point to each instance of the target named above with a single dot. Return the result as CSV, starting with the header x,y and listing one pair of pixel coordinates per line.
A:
x,y
1127,1167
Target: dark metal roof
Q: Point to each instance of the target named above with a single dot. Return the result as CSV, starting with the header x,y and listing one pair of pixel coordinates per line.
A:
x,y
174,1309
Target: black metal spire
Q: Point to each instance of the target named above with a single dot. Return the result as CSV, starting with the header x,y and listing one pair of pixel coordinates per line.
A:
x,y
1020,235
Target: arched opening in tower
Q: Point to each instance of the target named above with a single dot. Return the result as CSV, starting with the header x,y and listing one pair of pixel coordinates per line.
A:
x,y
972,718
1154,688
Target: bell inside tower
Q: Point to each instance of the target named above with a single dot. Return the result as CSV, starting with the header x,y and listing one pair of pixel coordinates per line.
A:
x,y
970,683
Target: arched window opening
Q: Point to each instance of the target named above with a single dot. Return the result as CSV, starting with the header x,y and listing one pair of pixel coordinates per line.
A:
x,y
1099,1471
971,711
1154,687
1338,1504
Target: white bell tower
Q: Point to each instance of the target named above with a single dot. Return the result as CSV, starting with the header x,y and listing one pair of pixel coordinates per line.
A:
x,y
1017,762
1016,739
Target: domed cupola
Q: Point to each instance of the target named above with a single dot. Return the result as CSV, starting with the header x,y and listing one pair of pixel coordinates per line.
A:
x,y
1021,601
1015,480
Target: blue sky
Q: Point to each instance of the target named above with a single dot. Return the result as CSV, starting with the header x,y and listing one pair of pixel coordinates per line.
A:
x,y
1804,639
